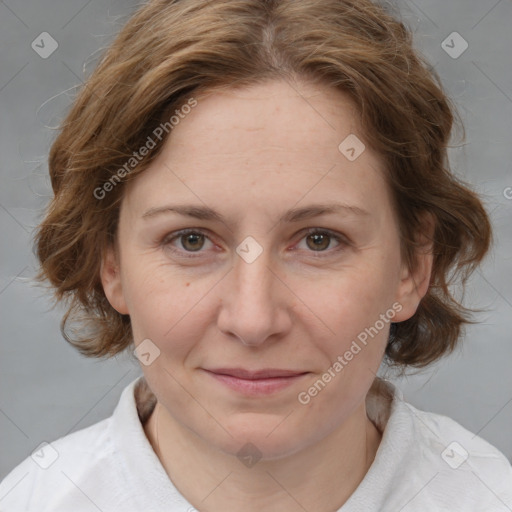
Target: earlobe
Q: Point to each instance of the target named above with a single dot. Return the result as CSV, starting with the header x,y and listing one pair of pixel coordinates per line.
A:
x,y
111,281
415,283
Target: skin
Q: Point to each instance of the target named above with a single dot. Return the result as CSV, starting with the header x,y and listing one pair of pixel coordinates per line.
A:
x,y
252,154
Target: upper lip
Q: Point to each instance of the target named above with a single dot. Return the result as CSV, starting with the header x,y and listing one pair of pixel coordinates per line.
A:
x,y
265,373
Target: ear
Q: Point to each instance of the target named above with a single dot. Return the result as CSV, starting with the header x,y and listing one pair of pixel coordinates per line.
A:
x,y
414,284
111,280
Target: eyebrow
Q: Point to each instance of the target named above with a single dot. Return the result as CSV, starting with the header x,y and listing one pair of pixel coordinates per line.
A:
x,y
293,215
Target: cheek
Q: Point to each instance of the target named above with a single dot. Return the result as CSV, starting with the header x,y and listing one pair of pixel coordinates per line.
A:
x,y
153,302
352,299
168,307
354,311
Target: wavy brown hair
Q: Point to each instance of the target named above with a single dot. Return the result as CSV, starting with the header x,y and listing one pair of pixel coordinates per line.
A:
x,y
169,51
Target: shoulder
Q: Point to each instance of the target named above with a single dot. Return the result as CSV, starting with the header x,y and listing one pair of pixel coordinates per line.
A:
x,y
428,461
51,468
462,464
78,471
460,444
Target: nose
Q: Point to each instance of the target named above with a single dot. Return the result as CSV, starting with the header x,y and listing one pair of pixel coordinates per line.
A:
x,y
255,302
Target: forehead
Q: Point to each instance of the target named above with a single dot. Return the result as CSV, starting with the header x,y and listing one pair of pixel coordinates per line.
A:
x,y
276,142
277,114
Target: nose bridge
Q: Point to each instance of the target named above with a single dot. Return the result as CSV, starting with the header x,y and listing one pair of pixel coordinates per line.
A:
x,y
251,306
252,274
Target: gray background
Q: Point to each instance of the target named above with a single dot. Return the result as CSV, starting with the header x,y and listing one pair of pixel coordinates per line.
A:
x,y
48,390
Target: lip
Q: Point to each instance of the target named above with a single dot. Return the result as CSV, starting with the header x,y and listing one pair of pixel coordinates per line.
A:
x,y
258,382
265,373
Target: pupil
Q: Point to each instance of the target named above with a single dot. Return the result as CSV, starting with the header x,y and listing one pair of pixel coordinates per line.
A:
x,y
318,239
194,238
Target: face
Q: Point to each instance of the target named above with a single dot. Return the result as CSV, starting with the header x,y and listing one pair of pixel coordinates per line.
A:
x,y
274,279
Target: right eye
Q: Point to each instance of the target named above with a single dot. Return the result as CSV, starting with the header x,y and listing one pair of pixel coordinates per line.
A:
x,y
191,241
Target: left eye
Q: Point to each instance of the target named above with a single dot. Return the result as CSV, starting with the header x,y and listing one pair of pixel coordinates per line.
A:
x,y
319,240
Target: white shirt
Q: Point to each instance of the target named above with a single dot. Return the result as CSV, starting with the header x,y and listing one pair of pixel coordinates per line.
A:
x,y
425,462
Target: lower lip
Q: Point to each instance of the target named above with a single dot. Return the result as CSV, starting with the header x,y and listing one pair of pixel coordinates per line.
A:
x,y
257,387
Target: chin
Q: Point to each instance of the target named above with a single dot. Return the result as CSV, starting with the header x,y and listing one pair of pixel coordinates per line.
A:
x,y
267,440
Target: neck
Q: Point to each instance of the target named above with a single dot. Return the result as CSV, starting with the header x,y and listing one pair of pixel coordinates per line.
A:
x,y
321,476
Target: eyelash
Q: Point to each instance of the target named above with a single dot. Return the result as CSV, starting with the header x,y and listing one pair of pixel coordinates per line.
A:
x,y
342,241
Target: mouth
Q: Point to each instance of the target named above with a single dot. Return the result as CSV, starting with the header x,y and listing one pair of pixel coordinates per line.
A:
x,y
256,382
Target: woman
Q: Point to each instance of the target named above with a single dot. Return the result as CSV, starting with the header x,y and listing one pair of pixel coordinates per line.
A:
x,y
255,198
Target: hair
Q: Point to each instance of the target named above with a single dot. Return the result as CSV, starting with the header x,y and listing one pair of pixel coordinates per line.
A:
x,y
170,50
